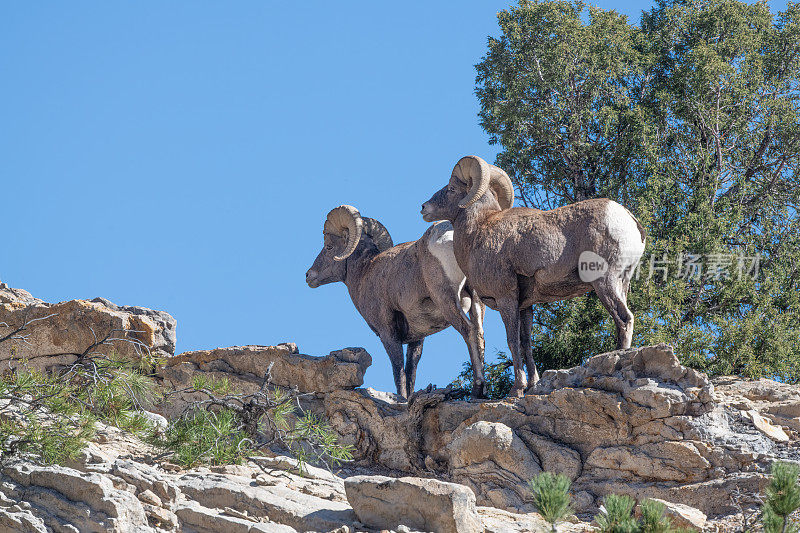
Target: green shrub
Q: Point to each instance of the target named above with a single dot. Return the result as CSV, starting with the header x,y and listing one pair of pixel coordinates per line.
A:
x,y
227,427
616,516
48,417
203,436
652,519
551,497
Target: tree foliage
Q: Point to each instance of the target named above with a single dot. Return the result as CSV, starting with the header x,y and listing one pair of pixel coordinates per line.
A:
x,y
691,119
498,378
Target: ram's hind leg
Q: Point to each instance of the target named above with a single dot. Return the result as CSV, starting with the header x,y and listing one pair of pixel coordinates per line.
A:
x,y
613,294
413,355
477,347
526,325
471,330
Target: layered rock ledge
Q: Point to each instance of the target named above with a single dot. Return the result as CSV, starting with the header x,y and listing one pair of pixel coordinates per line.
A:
x,y
45,335
631,421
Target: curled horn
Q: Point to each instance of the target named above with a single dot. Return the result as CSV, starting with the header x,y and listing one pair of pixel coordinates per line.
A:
x,y
345,221
502,187
475,173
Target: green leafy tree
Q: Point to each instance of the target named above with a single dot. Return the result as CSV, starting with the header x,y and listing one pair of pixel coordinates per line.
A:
x,y
783,498
551,497
692,120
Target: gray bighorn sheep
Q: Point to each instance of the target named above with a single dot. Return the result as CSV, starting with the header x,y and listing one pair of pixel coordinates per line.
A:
x,y
517,257
404,292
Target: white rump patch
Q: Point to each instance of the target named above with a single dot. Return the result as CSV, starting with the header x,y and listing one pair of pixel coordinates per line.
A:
x,y
623,229
440,244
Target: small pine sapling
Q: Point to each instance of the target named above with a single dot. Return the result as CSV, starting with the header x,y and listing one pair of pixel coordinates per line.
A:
x,y
783,498
652,519
551,497
616,515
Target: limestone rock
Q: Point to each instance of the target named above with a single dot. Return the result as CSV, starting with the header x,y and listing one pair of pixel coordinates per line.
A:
x,y
423,504
489,457
499,521
632,421
279,503
245,366
57,333
57,496
763,425
684,516
195,517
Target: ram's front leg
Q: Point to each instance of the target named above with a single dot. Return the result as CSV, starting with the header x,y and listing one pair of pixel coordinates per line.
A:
x,y
509,312
526,326
413,355
394,349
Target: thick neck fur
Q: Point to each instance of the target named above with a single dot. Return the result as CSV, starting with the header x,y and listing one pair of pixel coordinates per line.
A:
x,y
469,219
357,264
467,225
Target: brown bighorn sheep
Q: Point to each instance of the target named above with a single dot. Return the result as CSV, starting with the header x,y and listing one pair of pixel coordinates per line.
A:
x,y
517,257
404,292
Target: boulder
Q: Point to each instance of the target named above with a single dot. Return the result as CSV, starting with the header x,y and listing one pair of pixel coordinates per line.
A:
x,y
489,457
48,335
683,516
420,504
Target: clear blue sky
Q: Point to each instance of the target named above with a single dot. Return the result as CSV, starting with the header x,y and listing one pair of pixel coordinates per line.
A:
x,y
182,155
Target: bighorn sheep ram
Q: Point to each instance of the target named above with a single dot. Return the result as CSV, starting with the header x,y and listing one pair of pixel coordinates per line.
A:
x,y
404,292
517,257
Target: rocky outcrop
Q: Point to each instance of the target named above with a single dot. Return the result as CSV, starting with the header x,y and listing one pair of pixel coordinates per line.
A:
x,y
629,422
244,367
47,335
421,504
632,421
